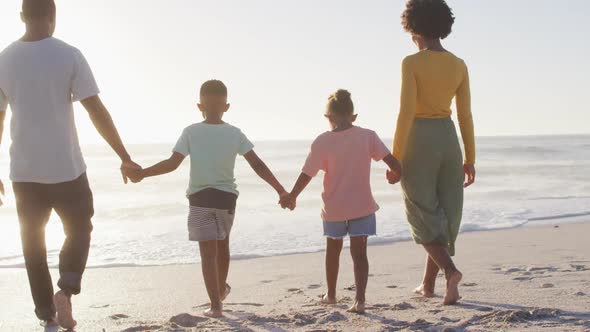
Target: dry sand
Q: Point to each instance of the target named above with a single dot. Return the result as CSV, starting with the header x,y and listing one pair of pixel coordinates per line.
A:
x,y
533,278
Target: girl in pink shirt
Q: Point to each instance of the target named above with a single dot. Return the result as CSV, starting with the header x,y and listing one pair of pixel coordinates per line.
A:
x,y
345,154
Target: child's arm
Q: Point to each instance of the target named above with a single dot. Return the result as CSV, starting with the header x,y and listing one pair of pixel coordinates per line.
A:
x,y
394,173
166,166
290,201
264,172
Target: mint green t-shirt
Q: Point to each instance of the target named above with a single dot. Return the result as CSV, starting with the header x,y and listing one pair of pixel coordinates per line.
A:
x,y
213,149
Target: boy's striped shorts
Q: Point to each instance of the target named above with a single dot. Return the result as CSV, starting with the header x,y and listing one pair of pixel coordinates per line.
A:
x,y
208,224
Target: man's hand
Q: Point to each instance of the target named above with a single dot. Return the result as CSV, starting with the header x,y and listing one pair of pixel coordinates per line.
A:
x,y
126,167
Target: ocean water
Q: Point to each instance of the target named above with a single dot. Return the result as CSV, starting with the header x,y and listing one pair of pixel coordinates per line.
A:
x,y
521,181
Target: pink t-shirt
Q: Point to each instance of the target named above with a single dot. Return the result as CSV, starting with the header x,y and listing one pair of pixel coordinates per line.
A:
x,y
345,157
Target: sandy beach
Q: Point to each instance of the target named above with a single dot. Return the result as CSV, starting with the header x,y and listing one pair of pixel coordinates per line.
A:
x,y
534,278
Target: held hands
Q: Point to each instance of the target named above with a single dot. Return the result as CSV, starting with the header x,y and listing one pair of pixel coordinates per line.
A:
x,y
393,177
394,174
287,201
131,171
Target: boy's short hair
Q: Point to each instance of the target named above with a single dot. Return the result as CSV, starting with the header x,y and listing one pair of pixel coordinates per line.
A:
x,y
213,88
36,9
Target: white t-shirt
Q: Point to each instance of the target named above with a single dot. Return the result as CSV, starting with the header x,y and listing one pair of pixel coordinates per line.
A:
x,y
41,80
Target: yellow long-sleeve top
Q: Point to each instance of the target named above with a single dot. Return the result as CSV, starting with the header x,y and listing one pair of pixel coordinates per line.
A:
x,y
430,81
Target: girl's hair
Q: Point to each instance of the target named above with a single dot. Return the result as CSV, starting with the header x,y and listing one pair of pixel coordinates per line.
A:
x,y
428,18
340,103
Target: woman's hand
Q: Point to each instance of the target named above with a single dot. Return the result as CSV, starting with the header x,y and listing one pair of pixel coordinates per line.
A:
x,y
469,170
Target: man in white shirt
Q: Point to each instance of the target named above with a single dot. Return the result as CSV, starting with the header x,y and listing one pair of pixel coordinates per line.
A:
x,y
40,78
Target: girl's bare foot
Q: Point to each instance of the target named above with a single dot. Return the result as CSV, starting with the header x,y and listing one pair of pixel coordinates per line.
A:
x,y
327,300
226,292
213,313
452,295
357,308
422,290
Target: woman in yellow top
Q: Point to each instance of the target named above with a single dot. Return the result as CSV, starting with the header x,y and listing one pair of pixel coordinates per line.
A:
x,y
434,170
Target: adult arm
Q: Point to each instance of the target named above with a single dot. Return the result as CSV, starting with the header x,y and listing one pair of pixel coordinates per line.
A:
x,y
465,117
103,122
407,112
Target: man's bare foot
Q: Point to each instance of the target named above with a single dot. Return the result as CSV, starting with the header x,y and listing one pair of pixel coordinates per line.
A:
x,y
422,290
357,308
226,292
213,313
63,304
452,295
327,300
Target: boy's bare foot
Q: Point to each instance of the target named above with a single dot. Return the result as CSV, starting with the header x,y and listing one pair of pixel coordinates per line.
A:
x,y
422,290
327,300
226,292
357,308
213,313
63,304
452,295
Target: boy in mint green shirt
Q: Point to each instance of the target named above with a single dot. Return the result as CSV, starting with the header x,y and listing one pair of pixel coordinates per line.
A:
x,y
213,147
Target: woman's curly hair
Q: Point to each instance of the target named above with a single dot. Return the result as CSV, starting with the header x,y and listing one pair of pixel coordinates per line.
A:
x,y
428,18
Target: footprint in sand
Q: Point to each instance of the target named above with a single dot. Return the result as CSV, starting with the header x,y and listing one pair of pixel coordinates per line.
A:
x,y
547,285
580,294
351,287
579,267
331,318
99,306
450,320
118,316
402,306
468,284
249,304
314,286
295,290
266,281
391,286
143,328
187,320
522,278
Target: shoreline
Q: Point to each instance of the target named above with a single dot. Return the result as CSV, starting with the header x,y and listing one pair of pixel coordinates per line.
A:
x,y
575,219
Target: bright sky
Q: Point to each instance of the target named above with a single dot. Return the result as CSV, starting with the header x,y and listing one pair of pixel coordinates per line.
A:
x,y
281,59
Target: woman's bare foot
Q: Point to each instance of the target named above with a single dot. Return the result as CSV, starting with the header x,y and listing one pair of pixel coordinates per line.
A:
x,y
63,304
226,292
213,313
327,300
452,295
422,290
357,308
